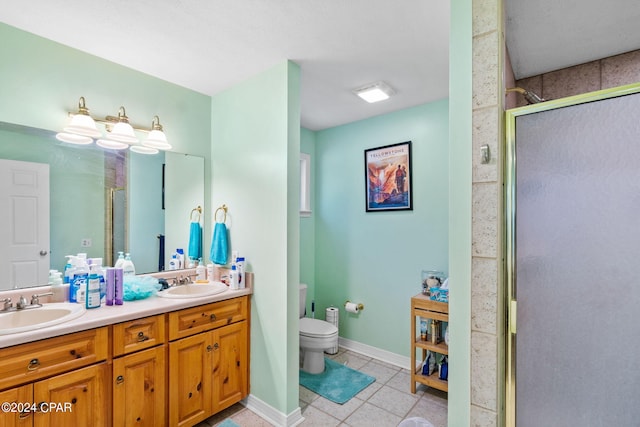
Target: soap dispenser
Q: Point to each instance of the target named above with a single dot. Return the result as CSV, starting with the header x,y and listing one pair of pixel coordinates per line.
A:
x,y
120,260
128,269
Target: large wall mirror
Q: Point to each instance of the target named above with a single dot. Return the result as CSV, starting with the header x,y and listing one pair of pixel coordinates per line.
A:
x,y
59,199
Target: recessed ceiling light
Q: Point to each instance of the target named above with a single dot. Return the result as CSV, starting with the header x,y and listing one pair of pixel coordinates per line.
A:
x,y
374,92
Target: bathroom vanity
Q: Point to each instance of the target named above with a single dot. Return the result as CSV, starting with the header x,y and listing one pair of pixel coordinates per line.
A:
x,y
155,362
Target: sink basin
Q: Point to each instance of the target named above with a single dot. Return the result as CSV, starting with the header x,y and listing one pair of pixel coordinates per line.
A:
x,y
37,318
194,290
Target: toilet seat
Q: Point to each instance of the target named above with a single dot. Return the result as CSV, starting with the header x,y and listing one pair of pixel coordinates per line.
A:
x,y
315,328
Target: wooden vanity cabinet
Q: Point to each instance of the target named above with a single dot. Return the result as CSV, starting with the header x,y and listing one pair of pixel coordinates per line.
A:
x,y
84,393
139,372
14,396
208,360
173,369
68,375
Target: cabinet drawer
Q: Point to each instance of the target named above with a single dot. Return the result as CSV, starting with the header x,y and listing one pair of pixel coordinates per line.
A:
x,y
29,362
138,334
198,319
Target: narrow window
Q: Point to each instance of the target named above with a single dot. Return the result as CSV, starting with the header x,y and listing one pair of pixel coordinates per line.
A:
x,y
305,184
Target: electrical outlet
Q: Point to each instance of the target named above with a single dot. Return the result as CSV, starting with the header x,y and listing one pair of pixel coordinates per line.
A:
x,y
85,243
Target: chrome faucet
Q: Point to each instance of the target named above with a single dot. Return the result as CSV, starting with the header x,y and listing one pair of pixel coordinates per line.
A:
x,y
22,303
35,298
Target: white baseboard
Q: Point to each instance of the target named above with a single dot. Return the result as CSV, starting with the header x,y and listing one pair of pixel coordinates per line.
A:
x,y
278,418
403,362
271,414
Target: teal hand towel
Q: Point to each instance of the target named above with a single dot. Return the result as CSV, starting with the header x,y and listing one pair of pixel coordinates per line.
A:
x,y
219,244
195,241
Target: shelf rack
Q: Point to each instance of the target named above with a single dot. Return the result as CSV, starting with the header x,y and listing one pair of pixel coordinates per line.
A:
x,y
422,306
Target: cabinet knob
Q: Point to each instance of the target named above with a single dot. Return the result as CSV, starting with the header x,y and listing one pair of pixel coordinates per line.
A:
x,y
142,337
33,365
209,348
119,379
216,346
24,415
212,317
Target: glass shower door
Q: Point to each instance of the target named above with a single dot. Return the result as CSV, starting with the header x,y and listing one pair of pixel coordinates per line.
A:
x,y
573,193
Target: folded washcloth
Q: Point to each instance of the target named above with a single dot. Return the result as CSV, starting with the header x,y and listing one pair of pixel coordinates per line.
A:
x,y
195,241
219,244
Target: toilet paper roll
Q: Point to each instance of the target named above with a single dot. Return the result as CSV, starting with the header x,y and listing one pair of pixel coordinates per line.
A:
x,y
351,307
332,316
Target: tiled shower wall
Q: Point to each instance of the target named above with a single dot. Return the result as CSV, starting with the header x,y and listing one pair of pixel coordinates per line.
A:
x,y
595,75
491,72
486,309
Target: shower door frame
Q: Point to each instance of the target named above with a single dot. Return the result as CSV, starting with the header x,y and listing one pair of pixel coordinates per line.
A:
x,y
510,303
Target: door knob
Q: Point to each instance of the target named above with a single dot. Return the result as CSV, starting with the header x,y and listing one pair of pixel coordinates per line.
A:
x,y
43,253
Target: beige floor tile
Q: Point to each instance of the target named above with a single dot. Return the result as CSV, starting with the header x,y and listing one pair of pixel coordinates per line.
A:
x,y
402,381
248,418
314,417
369,415
351,359
394,401
431,410
307,395
382,372
336,410
369,391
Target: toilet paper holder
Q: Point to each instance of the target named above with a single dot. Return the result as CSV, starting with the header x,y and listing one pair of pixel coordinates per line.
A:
x,y
360,306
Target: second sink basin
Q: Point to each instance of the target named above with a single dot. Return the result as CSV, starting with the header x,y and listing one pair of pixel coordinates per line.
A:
x,y
51,314
194,290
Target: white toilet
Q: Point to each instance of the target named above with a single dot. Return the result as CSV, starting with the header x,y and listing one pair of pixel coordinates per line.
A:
x,y
316,336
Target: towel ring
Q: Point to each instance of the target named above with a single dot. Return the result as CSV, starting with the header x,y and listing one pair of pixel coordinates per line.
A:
x,y
224,210
199,210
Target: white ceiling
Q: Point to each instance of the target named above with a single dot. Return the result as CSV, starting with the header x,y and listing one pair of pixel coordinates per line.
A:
x,y
547,35
210,45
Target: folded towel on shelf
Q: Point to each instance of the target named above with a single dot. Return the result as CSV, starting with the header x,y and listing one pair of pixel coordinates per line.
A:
x,y
219,244
195,241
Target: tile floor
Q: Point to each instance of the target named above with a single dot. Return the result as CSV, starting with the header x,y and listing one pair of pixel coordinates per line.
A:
x,y
384,403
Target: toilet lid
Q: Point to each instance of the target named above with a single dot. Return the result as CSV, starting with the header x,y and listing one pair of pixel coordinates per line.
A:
x,y
316,328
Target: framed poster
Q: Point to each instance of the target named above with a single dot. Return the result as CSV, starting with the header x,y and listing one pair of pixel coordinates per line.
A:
x,y
388,177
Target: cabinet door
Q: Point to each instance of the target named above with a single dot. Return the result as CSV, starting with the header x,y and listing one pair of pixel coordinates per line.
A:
x,y
190,379
78,398
18,396
230,367
139,389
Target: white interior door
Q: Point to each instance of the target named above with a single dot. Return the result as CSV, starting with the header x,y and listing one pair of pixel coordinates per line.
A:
x,y
24,223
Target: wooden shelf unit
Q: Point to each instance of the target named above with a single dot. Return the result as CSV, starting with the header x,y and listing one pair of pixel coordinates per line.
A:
x,y
422,306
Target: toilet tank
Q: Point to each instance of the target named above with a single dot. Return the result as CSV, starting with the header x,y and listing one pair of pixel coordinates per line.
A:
x,y
303,299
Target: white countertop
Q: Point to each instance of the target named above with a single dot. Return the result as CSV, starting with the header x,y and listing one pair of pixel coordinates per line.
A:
x,y
109,315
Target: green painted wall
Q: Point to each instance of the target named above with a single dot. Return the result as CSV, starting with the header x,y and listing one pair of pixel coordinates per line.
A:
x,y
42,80
460,167
146,215
255,151
376,258
76,182
307,223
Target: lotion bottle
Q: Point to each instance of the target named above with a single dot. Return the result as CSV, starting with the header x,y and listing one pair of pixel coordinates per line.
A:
x,y
201,271
119,261
93,289
128,269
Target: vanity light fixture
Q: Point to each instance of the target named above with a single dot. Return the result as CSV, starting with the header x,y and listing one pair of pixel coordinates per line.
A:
x,y
81,129
374,92
156,139
119,134
122,131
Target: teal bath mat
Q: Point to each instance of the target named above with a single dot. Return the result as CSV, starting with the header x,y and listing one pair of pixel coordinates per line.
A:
x,y
338,383
228,423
